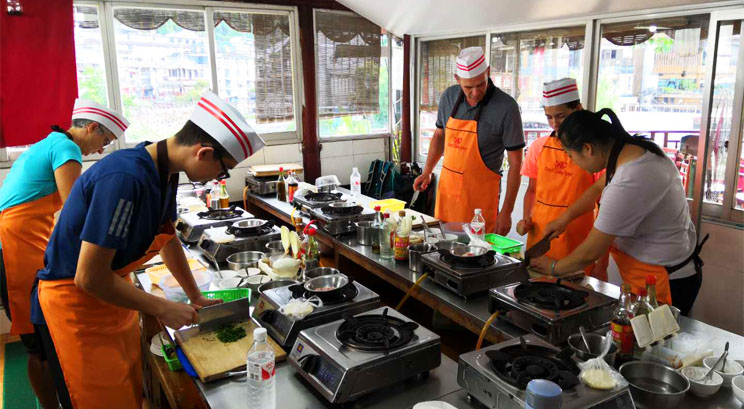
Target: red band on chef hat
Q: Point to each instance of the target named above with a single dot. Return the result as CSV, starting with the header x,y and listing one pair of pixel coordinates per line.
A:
x,y
559,92
112,120
225,124
471,62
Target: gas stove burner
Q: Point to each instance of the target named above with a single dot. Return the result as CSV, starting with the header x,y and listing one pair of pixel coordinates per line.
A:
x,y
220,214
483,261
519,364
550,295
345,210
346,293
250,228
375,332
322,197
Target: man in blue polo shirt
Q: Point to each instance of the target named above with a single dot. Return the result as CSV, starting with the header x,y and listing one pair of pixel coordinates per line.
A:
x,y
119,214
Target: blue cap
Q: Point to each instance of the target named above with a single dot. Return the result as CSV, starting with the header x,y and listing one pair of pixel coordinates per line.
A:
x,y
543,394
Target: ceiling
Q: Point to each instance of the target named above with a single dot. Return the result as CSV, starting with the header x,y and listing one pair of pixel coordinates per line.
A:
x,y
431,17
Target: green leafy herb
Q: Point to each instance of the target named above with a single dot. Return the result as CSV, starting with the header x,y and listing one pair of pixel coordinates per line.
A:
x,y
230,333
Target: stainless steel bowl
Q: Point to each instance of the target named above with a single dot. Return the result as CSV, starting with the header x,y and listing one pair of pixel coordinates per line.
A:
x,y
326,283
366,234
249,223
469,251
244,259
654,385
341,204
274,247
414,255
595,345
274,284
320,271
452,246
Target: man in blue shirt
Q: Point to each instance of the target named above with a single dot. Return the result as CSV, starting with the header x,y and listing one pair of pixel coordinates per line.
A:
x,y
119,214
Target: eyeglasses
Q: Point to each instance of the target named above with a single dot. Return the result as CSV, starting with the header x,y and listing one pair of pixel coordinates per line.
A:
x,y
224,174
106,140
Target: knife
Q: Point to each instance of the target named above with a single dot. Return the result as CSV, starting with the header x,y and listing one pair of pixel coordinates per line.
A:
x,y
216,316
414,197
537,250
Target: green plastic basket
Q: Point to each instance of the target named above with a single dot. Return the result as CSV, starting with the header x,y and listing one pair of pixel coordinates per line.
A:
x,y
504,245
173,363
231,294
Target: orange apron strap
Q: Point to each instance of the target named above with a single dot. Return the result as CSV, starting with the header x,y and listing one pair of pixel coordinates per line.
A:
x,y
24,233
634,272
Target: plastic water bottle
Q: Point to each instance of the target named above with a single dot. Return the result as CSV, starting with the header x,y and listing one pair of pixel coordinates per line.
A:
x,y
261,373
478,225
356,183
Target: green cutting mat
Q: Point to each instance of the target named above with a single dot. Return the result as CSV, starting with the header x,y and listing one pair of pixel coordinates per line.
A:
x,y
17,392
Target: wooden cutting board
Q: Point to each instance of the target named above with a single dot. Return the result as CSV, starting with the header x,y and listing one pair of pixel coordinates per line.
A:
x,y
273,170
211,358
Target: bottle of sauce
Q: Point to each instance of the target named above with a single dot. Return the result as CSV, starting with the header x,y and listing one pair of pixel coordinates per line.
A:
x,y
402,237
641,307
224,196
622,332
376,227
292,185
651,290
281,187
387,235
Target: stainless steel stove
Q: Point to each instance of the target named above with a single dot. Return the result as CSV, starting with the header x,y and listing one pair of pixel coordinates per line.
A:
x,y
468,279
190,226
346,359
551,309
261,185
354,299
497,376
217,243
311,201
337,222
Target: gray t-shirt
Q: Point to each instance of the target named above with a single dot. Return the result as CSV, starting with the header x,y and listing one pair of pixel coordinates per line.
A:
x,y
645,207
499,126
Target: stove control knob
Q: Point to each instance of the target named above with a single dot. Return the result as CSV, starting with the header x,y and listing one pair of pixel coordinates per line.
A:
x,y
181,226
310,362
205,244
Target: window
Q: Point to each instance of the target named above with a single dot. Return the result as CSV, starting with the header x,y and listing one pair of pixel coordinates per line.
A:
x,y
352,67
651,74
254,68
396,80
89,57
522,62
437,74
159,81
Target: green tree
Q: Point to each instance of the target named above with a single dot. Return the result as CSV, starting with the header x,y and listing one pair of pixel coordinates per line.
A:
x,y
607,95
92,84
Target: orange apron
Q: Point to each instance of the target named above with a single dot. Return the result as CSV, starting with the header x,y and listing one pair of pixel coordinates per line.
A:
x,y
97,343
466,183
634,272
24,234
560,182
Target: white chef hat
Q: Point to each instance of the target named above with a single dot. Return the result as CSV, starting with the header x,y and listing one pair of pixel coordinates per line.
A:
x,y
471,62
225,124
112,120
559,92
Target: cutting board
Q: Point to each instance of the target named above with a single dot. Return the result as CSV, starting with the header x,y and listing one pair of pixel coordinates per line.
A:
x,y
430,221
273,170
211,358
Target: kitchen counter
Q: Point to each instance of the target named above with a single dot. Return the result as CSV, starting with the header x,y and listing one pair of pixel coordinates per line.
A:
x,y
471,313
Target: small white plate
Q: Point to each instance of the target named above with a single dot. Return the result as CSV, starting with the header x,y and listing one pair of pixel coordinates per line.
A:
x,y
155,344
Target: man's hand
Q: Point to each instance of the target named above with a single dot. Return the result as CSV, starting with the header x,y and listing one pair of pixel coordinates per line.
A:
x,y
524,226
556,227
541,264
503,223
422,182
203,301
175,314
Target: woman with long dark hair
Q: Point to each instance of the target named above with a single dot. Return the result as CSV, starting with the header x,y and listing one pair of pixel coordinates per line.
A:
x,y
643,215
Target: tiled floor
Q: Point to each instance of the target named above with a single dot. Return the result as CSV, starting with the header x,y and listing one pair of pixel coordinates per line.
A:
x,y
4,339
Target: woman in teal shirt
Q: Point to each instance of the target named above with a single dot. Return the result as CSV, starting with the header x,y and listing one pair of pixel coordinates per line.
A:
x,y
36,187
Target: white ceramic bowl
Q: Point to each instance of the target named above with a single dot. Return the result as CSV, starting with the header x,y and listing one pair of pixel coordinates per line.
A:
x,y
695,373
254,281
173,290
733,368
229,283
737,384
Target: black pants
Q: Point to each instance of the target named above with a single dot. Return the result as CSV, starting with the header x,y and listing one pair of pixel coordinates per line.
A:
x,y
685,290
31,342
52,361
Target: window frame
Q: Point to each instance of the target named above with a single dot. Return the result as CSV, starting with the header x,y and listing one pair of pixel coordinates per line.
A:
x,y
382,135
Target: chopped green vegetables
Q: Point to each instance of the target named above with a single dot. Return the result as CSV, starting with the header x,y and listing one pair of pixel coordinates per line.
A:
x,y
230,333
